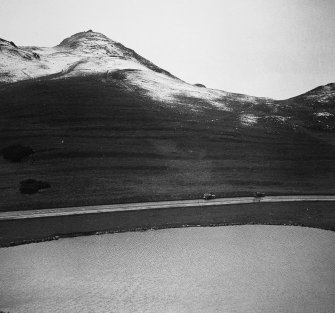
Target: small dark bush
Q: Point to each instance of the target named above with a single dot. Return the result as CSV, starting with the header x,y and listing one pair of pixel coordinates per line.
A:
x,y
16,153
200,85
36,55
13,44
30,186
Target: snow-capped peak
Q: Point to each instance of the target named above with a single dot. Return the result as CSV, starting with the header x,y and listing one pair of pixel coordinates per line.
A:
x,y
84,38
89,53
91,43
80,54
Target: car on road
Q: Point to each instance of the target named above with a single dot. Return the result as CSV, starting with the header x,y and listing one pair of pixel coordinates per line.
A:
x,y
259,194
208,196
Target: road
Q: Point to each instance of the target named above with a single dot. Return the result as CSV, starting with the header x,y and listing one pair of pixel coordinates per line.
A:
x,y
15,215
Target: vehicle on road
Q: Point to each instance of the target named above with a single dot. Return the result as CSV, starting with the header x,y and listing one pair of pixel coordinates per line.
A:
x,y
208,196
259,194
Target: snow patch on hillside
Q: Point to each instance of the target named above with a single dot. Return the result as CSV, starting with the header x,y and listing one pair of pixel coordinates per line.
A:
x,y
323,114
162,88
248,119
282,119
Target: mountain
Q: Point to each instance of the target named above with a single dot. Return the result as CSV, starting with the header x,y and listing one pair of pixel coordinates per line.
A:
x,y
81,53
313,110
88,53
109,126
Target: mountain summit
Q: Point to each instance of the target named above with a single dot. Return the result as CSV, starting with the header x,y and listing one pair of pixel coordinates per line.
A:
x,y
90,40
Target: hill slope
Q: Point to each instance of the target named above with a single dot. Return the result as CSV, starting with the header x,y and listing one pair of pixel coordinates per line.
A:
x,y
112,127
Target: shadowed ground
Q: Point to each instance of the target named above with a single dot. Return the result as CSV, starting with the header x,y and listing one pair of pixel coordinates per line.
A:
x,y
98,142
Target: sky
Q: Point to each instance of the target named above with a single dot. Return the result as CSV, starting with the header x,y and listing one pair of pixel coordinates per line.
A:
x,y
270,48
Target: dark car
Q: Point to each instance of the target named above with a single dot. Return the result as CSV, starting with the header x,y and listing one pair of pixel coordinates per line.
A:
x,y
259,194
208,196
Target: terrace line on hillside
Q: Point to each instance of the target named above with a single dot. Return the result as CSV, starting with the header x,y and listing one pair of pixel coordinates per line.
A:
x,y
156,205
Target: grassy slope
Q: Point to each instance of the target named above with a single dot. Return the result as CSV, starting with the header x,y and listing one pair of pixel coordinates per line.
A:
x,y
303,110
96,144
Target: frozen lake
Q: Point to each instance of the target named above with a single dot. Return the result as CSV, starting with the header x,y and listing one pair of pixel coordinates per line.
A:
x,y
213,269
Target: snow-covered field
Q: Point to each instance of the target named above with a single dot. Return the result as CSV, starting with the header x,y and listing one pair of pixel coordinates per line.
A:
x,y
218,269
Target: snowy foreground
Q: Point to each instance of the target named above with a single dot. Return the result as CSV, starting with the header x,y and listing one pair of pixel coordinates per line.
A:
x,y
221,269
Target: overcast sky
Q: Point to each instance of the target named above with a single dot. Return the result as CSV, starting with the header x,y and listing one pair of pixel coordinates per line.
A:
x,y
274,48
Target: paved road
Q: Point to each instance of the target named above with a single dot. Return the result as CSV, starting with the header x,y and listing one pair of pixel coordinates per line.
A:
x,y
154,205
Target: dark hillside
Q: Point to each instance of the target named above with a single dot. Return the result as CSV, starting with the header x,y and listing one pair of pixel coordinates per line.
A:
x,y
97,142
314,110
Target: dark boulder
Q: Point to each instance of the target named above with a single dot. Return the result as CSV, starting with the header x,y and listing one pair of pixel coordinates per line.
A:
x,y
36,55
16,153
13,44
200,85
31,186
